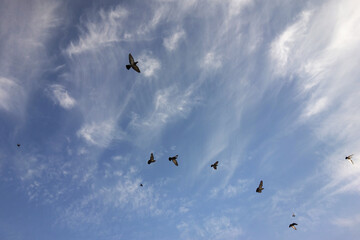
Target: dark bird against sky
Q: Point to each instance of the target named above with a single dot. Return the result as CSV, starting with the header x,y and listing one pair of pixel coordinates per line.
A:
x,y
260,188
215,165
173,159
151,160
293,226
350,158
132,64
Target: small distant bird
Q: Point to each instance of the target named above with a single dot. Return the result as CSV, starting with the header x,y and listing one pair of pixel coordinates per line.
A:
x,y
215,165
18,145
293,226
132,64
151,160
260,188
174,160
349,158
293,215
141,185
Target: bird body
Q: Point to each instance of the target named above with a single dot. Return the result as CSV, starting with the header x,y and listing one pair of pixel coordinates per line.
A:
x,y
151,160
215,165
260,188
350,158
293,226
18,145
132,64
141,185
293,215
173,159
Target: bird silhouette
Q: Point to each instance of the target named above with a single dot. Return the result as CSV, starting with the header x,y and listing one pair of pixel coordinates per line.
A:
x,y
132,64
293,226
350,158
18,145
260,188
173,159
293,215
215,165
151,160
141,185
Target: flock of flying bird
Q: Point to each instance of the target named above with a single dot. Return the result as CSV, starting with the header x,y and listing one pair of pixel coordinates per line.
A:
x,y
132,64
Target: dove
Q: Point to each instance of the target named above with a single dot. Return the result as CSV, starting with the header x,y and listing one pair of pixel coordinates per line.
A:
x,y
215,165
132,64
350,158
293,226
151,160
260,188
174,159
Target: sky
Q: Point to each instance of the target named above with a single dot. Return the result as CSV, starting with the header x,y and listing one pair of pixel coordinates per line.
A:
x,y
270,89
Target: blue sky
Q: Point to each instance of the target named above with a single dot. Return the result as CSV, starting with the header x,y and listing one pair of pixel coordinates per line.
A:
x,y
270,89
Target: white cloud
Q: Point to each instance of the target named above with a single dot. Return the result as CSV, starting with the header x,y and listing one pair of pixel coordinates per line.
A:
x,y
12,95
349,222
282,48
98,133
97,33
62,97
316,107
172,42
211,60
148,65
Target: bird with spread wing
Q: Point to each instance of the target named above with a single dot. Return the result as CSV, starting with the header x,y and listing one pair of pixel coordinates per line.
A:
x,y
173,159
132,64
260,188
293,226
215,165
350,158
151,160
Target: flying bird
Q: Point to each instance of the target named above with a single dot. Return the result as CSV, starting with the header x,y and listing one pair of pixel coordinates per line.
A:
x,y
141,185
18,145
215,165
350,158
151,160
293,215
293,226
132,64
174,160
260,188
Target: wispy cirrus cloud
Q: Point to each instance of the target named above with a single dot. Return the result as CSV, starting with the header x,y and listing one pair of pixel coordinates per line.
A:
x,y
172,42
62,97
12,95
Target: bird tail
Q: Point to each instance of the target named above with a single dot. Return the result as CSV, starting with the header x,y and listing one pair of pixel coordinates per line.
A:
x,y
128,67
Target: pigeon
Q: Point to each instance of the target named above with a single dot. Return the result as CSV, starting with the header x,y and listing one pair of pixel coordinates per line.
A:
x,y
141,185
18,145
151,160
349,158
174,160
215,165
260,188
293,226
132,64
293,215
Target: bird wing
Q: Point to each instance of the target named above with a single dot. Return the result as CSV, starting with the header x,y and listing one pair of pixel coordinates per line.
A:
x,y
216,163
131,59
261,184
175,162
351,160
136,68
215,167
151,156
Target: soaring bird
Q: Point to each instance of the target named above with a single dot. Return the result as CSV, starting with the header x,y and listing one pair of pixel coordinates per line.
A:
x,y
260,188
293,226
132,64
141,185
18,145
174,160
293,215
349,158
215,165
151,160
